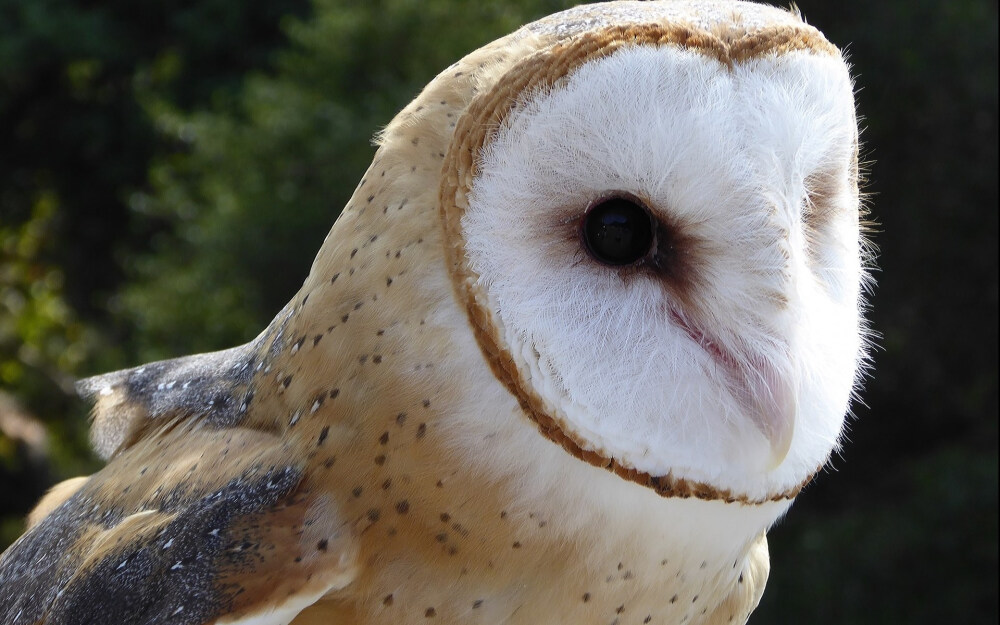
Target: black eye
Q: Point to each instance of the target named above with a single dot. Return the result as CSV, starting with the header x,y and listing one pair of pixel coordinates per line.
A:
x,y
617,231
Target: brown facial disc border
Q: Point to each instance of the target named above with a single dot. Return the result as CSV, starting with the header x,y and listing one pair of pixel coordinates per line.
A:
x,y
479,124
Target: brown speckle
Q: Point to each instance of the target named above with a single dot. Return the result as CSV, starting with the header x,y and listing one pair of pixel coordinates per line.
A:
x,y
317,339
427,403
586,597
430,613
322,435
377,359
357,491
421,430
380,459
648,618
374,515
477,603
516,545
334,278
354,252
321,545
673,599
445,517
330,462
382,440
402,507
442,537
334,393
401,419
387,601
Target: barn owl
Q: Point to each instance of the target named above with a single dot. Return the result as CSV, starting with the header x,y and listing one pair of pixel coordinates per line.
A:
x,y
587,326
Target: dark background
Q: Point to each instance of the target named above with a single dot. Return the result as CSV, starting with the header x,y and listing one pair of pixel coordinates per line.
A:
x,y
168,169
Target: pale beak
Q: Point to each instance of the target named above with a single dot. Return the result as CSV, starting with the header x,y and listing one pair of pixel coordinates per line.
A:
x,y
772,407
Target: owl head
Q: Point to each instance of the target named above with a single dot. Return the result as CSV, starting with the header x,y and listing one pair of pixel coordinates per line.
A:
x,y
652,220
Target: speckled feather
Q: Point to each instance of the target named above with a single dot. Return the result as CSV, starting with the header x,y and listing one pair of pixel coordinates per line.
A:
x,y
331,470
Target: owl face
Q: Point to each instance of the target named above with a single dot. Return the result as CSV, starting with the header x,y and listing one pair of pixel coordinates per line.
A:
x,y
658,244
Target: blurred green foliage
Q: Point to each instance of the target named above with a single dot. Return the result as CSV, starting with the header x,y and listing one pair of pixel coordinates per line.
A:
x,y
75,142
168,169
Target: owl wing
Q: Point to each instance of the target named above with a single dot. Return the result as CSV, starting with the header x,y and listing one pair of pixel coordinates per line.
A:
x,y
197,517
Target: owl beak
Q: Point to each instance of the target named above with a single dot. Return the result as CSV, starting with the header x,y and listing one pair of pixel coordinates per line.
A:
x,y
772,408
766,393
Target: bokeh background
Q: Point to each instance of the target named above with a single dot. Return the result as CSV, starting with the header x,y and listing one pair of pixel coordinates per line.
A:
x,y
169,167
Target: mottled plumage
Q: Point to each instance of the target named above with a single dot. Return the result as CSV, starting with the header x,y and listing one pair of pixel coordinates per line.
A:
x,y
467,414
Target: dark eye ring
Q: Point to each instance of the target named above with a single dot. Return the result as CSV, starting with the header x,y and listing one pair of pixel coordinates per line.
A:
x,y
617,231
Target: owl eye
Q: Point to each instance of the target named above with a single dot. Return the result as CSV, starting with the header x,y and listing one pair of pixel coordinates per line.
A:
x,y
617,231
